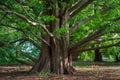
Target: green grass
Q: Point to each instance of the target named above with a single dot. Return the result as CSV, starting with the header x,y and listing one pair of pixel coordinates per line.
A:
x,y
96,63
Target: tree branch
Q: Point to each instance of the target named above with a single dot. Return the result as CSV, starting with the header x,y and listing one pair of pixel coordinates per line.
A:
x,y
34,43
23,53
2,43
76,5
100,41
43,40
90,37
28,56
88,19
101,47
81,23
23,62
21,4
76,9
27,39
115,31
18,29
27,20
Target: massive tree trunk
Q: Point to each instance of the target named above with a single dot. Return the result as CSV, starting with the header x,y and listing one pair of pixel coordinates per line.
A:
x,y
55,58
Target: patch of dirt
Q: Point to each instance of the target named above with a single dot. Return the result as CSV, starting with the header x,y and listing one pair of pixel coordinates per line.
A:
x,y
93,72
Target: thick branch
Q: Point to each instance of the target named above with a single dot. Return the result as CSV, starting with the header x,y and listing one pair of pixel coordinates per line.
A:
x,y
5,44
90,37
23,62
82,5
28,56
27,20
101,41
6,25
27,39
2,43
21,4
101,47
17,29
75,6
34,43
88,19
43,40
21,40
81,23
23,53
86,39
115,31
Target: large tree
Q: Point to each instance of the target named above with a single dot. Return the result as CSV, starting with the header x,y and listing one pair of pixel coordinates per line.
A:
x,y
52,27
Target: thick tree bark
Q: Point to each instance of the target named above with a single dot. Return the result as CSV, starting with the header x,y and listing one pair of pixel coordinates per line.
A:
x,y
55,58
43,63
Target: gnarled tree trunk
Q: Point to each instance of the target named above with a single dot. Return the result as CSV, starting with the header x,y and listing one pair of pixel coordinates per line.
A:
x,y
55,58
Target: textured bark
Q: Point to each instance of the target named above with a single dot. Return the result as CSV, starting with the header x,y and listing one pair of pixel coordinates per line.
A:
x,y
43,63
55,58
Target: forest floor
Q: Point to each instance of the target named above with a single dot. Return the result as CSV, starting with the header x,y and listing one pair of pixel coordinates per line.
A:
x,y
88,72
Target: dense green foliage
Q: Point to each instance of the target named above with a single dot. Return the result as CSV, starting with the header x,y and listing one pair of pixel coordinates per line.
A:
x,y
14,28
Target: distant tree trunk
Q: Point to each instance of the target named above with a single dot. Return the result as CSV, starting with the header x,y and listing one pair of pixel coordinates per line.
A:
x,y
98,55
117,58
75,57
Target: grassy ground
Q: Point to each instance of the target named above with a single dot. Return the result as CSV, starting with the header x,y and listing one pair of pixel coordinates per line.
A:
x,y
77,63
84,71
